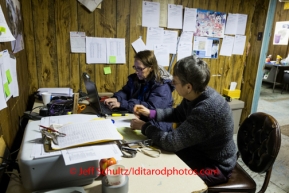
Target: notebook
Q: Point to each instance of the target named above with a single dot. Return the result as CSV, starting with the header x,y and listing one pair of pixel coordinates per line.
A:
x,y
99,107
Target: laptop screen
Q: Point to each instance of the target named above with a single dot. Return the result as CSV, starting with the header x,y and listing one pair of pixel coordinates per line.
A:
x,y
92,93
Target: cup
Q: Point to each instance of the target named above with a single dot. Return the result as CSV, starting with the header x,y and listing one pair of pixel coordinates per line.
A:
x,y
46,97
277,38
114,174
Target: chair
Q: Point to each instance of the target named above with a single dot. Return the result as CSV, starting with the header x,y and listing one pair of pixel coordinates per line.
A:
x,y
258,142
285,80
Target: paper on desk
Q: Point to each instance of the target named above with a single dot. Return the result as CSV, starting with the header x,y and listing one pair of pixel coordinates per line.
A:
x,y
37,148
87,133
94,152
65,119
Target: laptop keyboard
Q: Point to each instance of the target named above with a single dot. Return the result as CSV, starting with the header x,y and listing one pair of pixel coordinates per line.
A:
x,y
105,109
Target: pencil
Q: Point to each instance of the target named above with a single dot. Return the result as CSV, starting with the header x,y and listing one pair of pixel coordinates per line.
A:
x,y
50,129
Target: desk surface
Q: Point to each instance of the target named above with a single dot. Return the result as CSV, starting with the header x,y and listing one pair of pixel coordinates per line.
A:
x,y
164,174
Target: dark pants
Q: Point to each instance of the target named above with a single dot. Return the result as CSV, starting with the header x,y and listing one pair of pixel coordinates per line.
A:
x,y
206,170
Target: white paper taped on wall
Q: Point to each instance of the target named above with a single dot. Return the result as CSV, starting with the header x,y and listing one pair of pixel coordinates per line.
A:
x,y
91,5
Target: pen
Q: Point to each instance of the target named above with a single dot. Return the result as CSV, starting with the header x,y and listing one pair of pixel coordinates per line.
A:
x,y
50,129
118,114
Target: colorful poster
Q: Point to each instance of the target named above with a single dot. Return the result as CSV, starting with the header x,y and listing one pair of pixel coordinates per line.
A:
x,y
281,33
14,22
210,23
206,47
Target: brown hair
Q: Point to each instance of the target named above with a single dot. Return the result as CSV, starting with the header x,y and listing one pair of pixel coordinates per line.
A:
x,y
148,59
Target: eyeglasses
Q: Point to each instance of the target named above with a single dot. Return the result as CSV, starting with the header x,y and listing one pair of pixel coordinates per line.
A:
x,y
138,69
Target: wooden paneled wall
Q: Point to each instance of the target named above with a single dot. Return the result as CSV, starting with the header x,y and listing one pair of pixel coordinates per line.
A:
x,y
10,116
282,50
47,24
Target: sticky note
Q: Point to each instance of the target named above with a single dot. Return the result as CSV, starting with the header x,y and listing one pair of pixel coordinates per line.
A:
x,y
6,89
107,70
8,75
112,59
2,29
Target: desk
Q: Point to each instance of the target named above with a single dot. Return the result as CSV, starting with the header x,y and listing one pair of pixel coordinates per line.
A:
x,y
275,73
141,182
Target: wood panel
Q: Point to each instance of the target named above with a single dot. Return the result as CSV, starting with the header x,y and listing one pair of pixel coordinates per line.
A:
x,y
51,64
10,116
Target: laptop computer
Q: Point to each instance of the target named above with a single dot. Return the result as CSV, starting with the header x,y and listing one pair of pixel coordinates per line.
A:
x,y
98,106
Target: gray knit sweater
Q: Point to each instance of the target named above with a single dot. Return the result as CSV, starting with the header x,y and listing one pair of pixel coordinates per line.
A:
x,y
206,129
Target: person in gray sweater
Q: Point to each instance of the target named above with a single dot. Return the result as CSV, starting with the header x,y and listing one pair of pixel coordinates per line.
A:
x,y
204,136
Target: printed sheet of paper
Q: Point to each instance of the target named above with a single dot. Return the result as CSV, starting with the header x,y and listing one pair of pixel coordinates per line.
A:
x,y
6,73
150,14
239,45
236,24
91,5
227,46
184,50
115,50
138,45
11,62
95,50
3,103
175,16
164,11
38,149
85,133
161,52
77,42
190,18
5,33
206,47
154,36
187,36
89,153
170,38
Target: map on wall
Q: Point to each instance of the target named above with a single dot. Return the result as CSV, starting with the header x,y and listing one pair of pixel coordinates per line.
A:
x,y
210,23
14,22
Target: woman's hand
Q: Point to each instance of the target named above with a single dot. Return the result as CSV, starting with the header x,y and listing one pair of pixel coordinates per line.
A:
x,y
112,103
139,110
136,124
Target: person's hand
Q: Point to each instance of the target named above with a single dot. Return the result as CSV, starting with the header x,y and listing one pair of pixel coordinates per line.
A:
x,y
136,124
141,110
112,103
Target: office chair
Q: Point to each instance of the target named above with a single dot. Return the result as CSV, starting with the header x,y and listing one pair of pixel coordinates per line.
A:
x,y
285,81
258,142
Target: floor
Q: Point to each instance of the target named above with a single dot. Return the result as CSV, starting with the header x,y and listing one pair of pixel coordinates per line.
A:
x,y
277,105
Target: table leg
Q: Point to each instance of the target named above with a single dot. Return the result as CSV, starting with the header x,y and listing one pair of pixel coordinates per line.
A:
x,y
275,76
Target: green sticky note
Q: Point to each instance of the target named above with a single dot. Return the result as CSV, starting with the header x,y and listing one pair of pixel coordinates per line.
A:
x,y
107,70
2,29
6,89
9,77
112,59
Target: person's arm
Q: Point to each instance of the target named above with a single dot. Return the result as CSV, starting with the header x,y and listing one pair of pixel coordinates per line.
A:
x,y
191,131
160,96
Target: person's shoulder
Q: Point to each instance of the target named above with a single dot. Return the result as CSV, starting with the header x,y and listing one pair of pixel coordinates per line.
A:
x,y
132,75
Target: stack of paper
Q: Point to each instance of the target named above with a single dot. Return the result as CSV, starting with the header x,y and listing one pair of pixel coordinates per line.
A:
x,y
85,133
57,91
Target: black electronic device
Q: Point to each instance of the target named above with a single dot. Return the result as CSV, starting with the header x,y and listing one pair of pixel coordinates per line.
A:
x,y
99,107
60,106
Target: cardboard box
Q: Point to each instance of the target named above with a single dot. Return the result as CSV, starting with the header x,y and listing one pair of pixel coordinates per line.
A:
x,y
234,94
